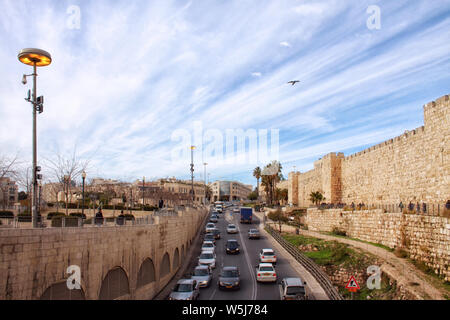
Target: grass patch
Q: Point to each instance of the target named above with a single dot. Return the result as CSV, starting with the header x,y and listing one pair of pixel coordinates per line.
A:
x,y
379,245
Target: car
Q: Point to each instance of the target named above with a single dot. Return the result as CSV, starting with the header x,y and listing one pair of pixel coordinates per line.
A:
x,y
229,278
210,237
236,210
203,276
209,227
265,272
293,289
208,245
219,209
216,233
232,246
254,234
207,258
232,228
185,289
214,218
267,255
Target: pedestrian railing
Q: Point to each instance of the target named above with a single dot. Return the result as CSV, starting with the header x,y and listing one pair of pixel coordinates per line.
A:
x,y
321,277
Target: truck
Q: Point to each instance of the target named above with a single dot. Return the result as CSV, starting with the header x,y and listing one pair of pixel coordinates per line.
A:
x,y
246,214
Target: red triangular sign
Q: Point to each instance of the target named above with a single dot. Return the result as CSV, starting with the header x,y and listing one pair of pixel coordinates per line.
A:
x,y
352,284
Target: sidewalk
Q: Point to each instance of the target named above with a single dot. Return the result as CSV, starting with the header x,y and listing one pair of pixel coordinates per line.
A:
x,y
315,289
403,271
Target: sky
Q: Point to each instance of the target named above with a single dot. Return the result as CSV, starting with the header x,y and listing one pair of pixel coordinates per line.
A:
x,y
133,84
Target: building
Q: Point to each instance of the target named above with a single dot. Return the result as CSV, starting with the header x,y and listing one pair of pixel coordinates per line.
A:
x,y
412,167
230,190
9,192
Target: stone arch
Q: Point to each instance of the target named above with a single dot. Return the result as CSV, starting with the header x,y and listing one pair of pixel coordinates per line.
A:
x,y
183,252
59,291
164,268
114,285
146,273
176,259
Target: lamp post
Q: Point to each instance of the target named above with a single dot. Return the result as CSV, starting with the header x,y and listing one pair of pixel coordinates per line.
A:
x,y
83,176
66,191
204,177
143,193
192,173
35,58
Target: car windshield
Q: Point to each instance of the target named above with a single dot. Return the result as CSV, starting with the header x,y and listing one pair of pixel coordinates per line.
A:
x,y
253,231
231,226
206,255
265,269
229,273
232,244
209,235
268,253
183,287
208,245
210,225
200,272
295,290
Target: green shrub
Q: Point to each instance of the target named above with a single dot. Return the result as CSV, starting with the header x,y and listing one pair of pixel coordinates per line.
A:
x,y
6,214
70,222
78,215
339,232
50,215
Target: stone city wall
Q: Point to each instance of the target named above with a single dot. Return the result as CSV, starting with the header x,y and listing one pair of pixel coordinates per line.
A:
x,y
412,167
121,262
426,238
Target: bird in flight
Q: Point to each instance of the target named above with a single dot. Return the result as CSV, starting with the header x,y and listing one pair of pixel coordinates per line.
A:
x,y
293,82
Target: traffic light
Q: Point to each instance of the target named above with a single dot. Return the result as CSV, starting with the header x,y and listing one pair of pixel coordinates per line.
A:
x,y
38,176
40,104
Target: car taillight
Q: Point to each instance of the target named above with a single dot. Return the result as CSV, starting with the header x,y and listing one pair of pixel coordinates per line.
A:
x,y
274,275
259,275
274,257
263,257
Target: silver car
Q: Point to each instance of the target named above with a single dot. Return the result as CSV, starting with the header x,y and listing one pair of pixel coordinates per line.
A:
x,y
209,227
232,229
207,258
203,276
186,289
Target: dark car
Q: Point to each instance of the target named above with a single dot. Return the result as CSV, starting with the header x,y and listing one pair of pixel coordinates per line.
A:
x,y
216,233
214,218
210,237
229,278
253,234
232,246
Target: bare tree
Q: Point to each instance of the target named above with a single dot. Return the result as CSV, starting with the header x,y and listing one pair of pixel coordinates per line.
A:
x,y
63,170
8,169
25,180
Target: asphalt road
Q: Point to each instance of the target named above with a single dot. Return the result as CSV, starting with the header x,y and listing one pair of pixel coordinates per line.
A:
x,y
246,260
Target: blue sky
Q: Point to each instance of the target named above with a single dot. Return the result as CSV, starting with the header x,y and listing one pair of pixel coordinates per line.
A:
x,y
135,72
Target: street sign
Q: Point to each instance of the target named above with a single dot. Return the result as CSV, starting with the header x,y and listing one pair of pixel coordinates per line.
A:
x,y
352,285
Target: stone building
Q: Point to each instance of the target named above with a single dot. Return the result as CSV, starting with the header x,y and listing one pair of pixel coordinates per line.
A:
x,y
9,192
412,167
229,191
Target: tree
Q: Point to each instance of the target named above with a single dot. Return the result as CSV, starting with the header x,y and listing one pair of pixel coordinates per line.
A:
x,y
8,169
278,216
316,197
253,195
271,175
65,171
257,175
281,194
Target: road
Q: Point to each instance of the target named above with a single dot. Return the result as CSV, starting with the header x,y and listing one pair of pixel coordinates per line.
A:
x,y
246,260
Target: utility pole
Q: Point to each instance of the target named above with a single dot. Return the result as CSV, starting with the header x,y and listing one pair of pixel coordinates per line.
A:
x,y
204,177
192,174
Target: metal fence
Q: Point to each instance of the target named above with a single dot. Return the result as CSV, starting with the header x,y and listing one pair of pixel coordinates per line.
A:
x,y
308,264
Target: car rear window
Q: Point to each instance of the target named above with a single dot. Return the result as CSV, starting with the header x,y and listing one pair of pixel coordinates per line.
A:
x,y
266,269
206,255
268,253
229,273
183,287
295,290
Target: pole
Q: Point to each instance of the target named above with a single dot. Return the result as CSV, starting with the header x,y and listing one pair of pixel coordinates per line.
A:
x,y
82,208
204,176
192,174
143,193
34,198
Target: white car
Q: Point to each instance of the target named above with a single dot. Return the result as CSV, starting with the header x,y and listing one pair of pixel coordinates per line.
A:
x,y
210,227
232,229
207,258
265,272
267,255
236,210
208,246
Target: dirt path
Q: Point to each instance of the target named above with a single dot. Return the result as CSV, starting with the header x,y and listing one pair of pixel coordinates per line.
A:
x,y
404,272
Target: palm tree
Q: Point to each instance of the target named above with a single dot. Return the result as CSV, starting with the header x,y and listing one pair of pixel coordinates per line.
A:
x,y
316,197
257,175
271,175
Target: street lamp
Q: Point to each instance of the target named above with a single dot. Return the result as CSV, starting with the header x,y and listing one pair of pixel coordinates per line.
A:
x,y
83,176
192,173
204,177
143,193
35,58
